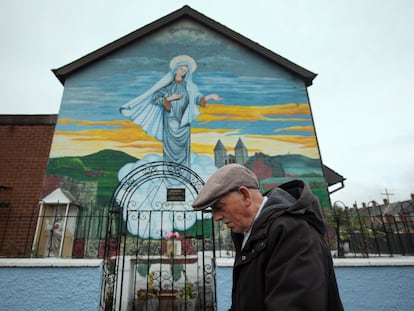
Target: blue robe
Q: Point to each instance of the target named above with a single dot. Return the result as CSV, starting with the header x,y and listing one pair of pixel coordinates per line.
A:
x,y
171,128
176,122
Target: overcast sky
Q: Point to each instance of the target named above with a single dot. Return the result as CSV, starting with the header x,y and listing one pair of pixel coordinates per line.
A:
x,y
362,51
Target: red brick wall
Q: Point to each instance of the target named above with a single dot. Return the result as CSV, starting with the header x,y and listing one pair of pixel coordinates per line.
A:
x,y
25,143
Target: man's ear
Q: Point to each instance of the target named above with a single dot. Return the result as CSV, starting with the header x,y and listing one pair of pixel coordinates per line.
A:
x,y
246,193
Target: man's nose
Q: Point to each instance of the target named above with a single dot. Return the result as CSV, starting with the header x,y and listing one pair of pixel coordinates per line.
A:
x,y
217,216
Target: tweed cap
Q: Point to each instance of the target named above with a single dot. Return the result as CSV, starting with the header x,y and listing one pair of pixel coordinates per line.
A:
x,y
224,180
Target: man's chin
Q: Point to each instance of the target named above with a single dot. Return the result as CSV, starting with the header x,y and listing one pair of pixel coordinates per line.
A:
x,y
234,230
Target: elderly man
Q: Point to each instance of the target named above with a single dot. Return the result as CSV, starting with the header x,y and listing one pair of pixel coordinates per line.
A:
x,y
282,261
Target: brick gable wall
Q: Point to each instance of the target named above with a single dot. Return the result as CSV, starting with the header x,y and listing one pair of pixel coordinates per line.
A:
x,y
25,143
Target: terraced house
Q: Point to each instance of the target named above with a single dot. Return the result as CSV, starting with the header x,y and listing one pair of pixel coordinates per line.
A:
x,y
144,121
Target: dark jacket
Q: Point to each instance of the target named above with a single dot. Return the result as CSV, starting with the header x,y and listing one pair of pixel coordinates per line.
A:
x,y
286,264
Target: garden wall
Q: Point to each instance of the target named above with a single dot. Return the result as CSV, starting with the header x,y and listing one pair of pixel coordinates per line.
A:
x,y
50,284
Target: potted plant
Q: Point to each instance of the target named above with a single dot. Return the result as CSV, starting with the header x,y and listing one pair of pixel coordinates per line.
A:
x,y
188,295
148,298
167,299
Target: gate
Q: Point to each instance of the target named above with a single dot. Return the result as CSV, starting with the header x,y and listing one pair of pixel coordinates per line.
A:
x,y
159,253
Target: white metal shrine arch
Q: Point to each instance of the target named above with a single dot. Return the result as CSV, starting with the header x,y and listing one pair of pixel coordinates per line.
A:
x,y
159,252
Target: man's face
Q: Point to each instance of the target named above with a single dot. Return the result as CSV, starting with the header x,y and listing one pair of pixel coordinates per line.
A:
x,y
232,209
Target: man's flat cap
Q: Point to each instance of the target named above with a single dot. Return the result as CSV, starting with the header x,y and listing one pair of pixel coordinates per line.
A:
x,y
224,180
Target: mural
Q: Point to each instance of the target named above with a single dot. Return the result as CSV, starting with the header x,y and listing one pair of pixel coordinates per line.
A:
x,y
167,109
184,94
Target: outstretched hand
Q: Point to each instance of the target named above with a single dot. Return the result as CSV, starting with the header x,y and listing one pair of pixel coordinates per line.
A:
x,y
213,97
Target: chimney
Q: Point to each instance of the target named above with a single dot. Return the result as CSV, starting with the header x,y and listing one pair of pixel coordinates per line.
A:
x,y
412,196
364,205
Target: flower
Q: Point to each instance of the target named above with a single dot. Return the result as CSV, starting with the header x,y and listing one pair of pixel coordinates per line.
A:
x,y
172,235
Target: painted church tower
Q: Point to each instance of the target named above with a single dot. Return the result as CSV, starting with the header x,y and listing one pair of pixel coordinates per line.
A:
x,y
220,154
240,151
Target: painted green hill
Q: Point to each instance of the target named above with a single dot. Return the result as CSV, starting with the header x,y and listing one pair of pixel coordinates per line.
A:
x,y
105,161
101,167
109,160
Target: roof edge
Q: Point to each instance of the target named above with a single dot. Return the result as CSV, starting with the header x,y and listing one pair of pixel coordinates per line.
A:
x,y
20,119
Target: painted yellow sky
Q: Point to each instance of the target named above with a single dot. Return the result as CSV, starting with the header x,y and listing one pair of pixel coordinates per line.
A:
x,y
126,136
219,112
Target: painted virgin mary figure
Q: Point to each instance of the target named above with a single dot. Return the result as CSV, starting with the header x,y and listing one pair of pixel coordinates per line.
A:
x,y
166,110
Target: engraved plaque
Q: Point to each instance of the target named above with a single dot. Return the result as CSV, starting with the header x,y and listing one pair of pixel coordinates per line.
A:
x,y
176,194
